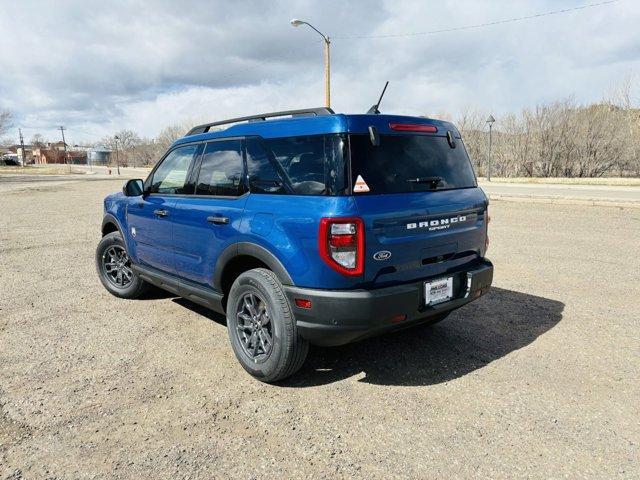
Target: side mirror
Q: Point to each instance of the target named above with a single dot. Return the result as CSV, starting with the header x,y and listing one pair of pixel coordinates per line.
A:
x,y
133,188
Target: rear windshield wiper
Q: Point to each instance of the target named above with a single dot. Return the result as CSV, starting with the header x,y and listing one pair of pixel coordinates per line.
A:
x,y
432,181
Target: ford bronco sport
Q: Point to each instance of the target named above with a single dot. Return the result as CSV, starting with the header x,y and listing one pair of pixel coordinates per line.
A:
x,y
304,227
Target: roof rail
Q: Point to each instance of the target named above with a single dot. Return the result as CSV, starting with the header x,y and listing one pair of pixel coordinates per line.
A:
x,y
263,116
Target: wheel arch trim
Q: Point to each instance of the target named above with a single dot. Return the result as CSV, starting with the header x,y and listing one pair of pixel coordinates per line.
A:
x,y
109,218
251,250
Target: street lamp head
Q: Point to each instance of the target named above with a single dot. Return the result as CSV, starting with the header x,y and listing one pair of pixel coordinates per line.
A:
x,y
296,23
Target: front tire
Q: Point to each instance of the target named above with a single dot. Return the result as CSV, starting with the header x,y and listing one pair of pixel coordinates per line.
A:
x,y
114,268
262,328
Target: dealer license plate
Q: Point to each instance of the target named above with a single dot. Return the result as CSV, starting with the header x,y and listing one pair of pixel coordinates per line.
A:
x,y
438,291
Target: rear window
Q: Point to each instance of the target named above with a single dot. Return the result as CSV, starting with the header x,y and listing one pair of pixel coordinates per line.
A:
x,y
409,163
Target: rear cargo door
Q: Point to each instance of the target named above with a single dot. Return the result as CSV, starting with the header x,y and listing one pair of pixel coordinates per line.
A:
x,y
424,214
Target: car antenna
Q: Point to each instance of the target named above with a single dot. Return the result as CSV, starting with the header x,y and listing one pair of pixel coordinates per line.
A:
x,y
374,108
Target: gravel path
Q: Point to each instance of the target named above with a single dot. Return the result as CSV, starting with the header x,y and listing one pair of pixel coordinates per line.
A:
x,y
540,378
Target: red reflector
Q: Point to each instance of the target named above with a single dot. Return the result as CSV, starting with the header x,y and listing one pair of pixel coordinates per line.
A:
x,y
409,127
303,303
401,317
342,240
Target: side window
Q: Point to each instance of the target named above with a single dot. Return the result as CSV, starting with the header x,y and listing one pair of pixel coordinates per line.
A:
x,y
263,175
171,174
303,158
311,164
221,169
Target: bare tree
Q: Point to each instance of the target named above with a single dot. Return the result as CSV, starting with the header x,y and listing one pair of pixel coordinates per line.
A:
x,y
624,95
148,151
37,140
126,142
170,134
561,139
470,123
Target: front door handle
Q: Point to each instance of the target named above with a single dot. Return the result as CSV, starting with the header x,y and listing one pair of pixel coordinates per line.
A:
x,y
218,220
161,213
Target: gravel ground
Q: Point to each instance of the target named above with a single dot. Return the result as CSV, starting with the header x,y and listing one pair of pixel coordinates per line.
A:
x,y
539,378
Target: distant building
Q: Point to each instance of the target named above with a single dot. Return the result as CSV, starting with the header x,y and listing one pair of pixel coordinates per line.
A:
x,y
99,156
59,145
53,153
46,155
77,157
23,157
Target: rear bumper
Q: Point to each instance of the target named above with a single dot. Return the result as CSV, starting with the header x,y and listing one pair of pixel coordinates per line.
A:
x,y
342,316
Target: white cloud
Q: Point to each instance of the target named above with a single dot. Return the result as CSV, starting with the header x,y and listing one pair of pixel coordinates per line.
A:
x,y
100,66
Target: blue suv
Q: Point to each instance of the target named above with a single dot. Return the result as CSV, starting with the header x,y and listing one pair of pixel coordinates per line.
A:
x,y
304,227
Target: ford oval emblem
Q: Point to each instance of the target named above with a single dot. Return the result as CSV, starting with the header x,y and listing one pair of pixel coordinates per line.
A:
x,y
382,255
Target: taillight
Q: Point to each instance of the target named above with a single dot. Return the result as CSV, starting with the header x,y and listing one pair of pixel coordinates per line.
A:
x,y
412,127
341,244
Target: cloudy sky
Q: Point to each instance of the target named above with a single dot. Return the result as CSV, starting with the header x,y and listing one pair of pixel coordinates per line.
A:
x,y
97,66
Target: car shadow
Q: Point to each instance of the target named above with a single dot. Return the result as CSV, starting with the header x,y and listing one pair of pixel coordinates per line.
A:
x,y
200,310
155,293
470,338
493,326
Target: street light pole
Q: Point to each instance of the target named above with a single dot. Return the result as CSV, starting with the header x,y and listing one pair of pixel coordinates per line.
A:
x,y
116,138
490,121
327,60
327,73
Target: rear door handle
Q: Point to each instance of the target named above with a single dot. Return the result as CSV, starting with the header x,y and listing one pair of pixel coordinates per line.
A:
x,y
218,220
161,213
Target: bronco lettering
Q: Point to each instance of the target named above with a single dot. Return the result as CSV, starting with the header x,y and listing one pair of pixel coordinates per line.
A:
x,y
439,224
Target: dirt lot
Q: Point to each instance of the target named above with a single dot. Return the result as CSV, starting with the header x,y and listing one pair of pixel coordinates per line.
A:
x,y
540,378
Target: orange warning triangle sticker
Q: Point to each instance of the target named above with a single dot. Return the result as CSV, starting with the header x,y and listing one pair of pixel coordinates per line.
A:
x,y
360,185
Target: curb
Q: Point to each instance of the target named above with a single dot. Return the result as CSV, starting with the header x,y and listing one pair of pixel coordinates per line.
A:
x,y
564,201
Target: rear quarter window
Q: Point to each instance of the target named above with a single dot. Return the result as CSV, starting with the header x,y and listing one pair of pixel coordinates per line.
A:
x,y
305,165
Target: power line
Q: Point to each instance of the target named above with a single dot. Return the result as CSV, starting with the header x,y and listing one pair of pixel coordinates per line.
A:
x,y
55,127
480,25
82,131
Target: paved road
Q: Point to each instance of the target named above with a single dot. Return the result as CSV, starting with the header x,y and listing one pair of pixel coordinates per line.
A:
x,y
537,379
587,193
16,181
554,193
133,172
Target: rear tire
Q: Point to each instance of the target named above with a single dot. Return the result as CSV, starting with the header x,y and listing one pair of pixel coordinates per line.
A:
x,y
262,328
114,268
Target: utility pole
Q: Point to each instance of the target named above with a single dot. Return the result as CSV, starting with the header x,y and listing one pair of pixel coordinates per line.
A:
x,y
327,72
24,152
490,121
64,145
116,138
